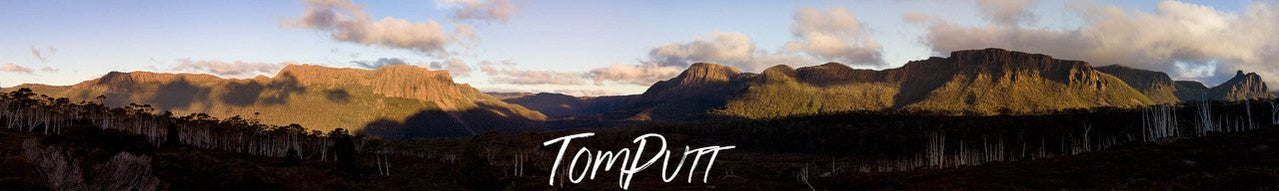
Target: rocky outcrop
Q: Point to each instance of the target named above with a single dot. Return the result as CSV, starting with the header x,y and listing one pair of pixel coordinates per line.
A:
x,y
401,81
1159,87
318,98
982,82
994,81
697,90
1243,86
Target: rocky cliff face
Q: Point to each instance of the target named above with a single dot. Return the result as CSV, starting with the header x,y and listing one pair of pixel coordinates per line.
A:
x,y
380,102
1242,86
993,81
983,82
1158,86
697,90
400,81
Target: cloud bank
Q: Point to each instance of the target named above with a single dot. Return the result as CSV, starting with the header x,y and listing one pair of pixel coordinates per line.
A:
x,y
834,35
456,67
644,74
347,22
222,68
483,10
666,61
727,48
1006,12
504,73
1182,39
820,36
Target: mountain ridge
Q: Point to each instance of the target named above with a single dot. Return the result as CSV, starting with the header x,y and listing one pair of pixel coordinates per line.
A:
x,y
1160,86
977,82
382,102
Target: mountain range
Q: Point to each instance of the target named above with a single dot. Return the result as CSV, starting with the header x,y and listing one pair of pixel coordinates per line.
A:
x,y
1162,89
403,101
393,101
969,82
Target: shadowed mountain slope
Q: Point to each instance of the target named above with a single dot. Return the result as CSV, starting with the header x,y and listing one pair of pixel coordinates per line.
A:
x,y
318,98
1159,87
1241,87
556,105
980,82
1156,85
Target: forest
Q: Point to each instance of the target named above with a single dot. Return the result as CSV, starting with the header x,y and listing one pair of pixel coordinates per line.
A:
x,y
54,144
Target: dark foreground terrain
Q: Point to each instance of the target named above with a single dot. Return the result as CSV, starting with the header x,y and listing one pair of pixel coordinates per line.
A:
x,y
1244,160
1238,161
51,144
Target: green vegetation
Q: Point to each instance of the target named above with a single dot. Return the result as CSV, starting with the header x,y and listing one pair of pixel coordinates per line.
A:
x,y
312,96
1027,95
848,150
791,98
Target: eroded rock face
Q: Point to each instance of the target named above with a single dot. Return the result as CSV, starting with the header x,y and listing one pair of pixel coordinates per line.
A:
x,y
1006,65
317,97
704,73
988,81
401,81
695,91
1242,86
1159,87
993,81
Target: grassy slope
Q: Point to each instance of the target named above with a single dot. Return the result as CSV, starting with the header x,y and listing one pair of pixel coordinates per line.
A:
x,y
1027,95
311,107
780,98
792,98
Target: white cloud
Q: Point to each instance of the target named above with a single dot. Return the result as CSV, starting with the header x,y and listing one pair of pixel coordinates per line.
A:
x,y
834,35
483,10
721,47
15,68
1176,35
222,68
48,69
644,74
347,21
1006,12
727,48
504,73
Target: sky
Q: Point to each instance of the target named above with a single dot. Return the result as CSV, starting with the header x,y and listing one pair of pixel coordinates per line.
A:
x,y
591,48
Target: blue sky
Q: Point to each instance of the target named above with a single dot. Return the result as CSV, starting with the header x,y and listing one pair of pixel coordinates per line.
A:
x,y
82,40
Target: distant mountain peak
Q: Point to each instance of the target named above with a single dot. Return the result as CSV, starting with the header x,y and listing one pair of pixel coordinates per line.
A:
x,y
1160,87
986,81
1242,86
778,72
707,73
